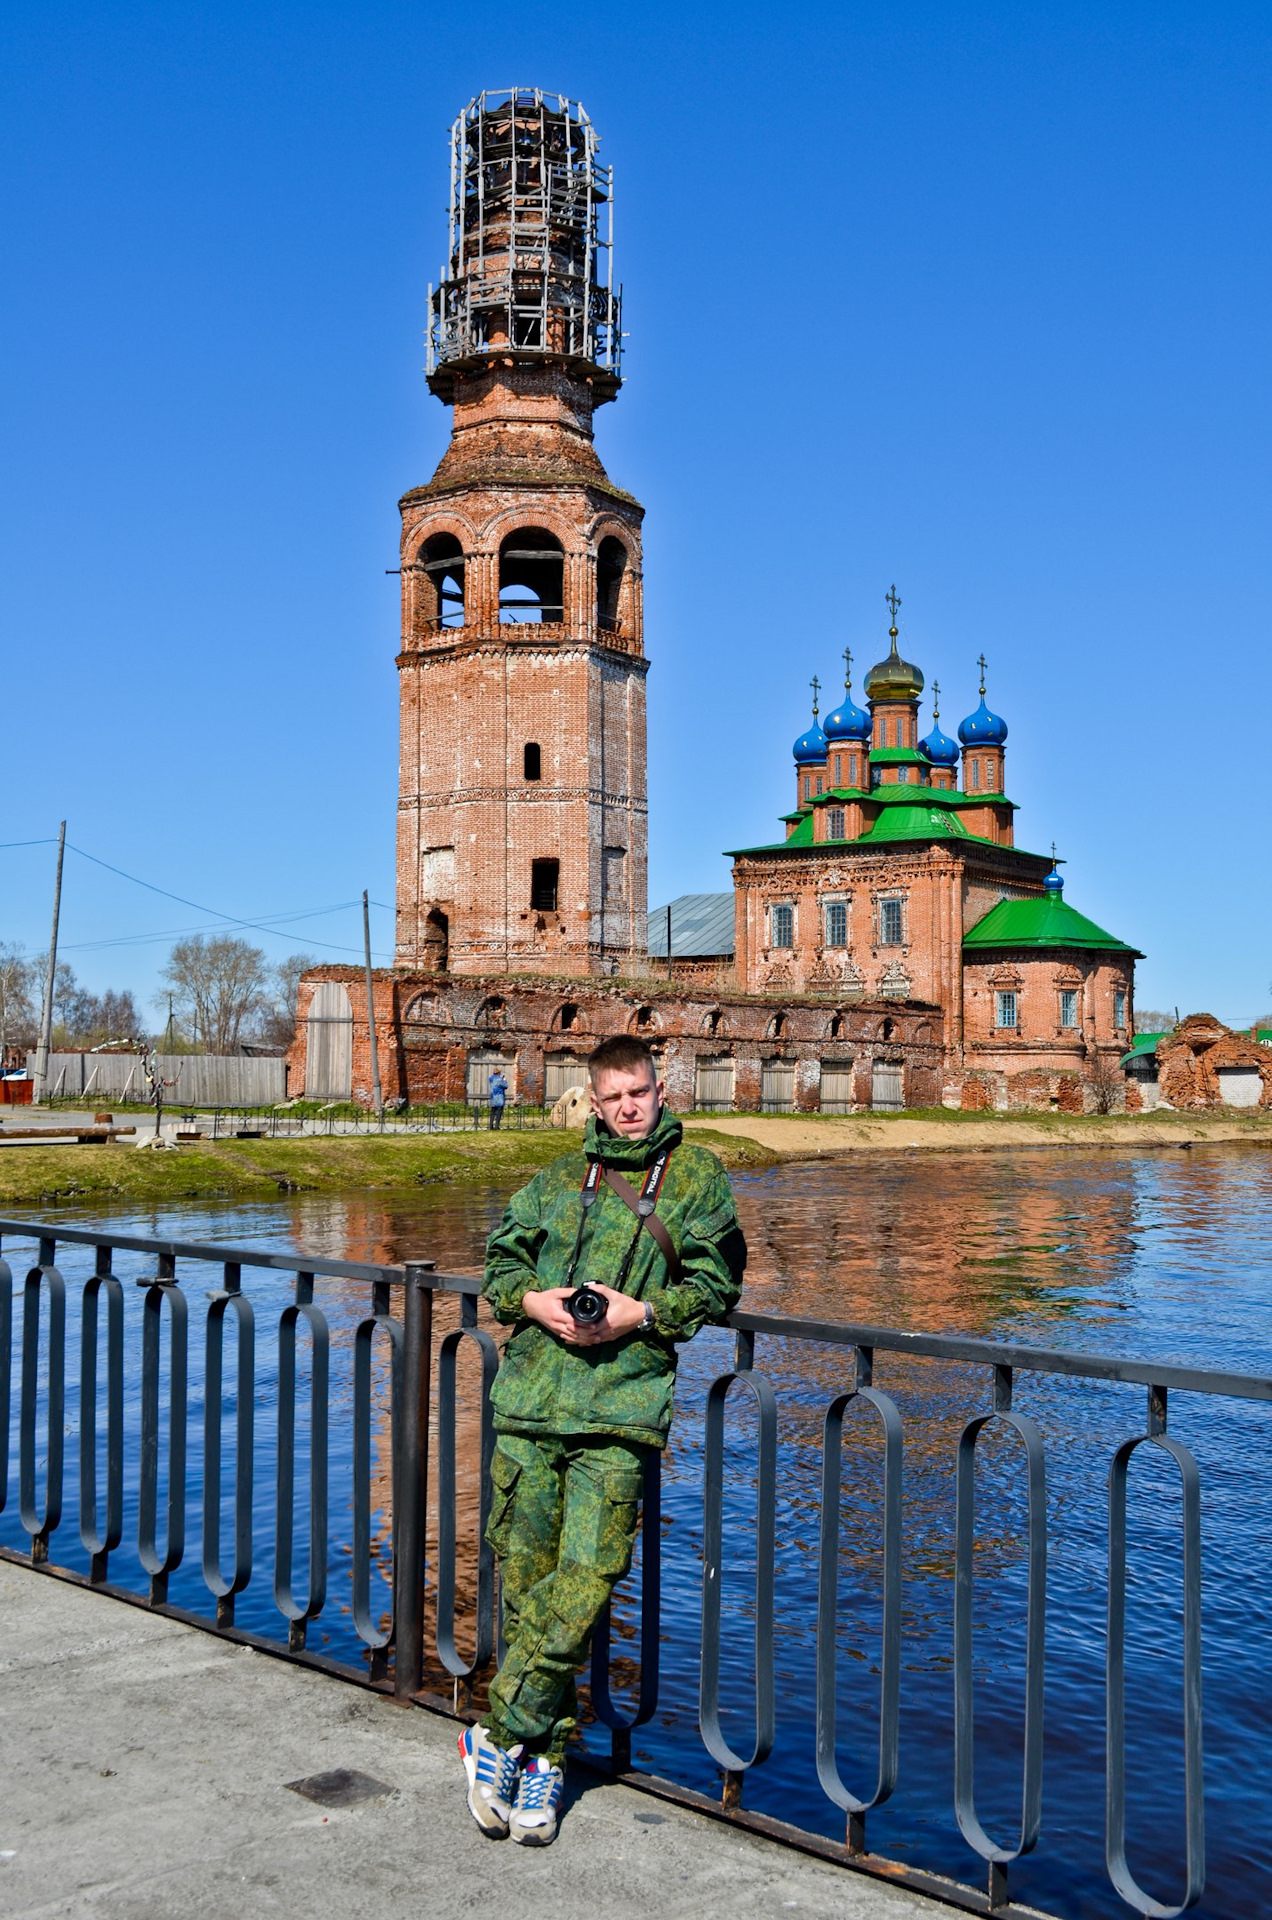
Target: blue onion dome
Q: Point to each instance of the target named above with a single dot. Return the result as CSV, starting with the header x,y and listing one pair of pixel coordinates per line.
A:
x,y
982,728
1053,883
939,748
811,746
848,721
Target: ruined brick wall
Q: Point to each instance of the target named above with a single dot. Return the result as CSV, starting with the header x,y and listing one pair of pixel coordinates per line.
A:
x,y
428,1028
1189,1062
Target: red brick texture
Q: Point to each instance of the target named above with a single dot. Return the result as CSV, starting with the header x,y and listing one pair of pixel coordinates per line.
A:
x,y
471,824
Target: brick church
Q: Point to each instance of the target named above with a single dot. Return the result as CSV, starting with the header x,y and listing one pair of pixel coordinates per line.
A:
x,y
894,948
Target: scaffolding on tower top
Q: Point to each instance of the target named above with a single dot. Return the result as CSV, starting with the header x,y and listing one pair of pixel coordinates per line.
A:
x,y
529,275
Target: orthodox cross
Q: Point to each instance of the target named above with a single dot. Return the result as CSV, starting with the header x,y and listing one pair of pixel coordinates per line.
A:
x,y
893,599
848,669
815,684
982,663
936,700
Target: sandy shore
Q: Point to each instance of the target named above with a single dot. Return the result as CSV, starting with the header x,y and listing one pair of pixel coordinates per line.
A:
x,y
800,1136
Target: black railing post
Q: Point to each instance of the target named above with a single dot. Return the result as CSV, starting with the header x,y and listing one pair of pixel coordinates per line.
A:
x,y
408,1561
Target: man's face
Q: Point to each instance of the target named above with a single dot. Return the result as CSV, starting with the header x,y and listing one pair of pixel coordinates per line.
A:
x,y
628,1100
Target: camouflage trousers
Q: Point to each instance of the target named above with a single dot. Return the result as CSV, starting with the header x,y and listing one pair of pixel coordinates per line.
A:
x,y
562,1523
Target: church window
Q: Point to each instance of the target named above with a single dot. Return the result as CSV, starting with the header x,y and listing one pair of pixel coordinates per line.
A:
x,y
1119,1008
837,923
782,920
611,561
839,774
891,928
991,780
976,773
852,769
544,878
903,776
531,577
819,783
834,823
1005,1009
1068,1008
808,786
532,760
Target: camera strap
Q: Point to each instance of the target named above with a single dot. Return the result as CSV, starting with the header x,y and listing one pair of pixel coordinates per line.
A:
x,y
587,1200
642,1204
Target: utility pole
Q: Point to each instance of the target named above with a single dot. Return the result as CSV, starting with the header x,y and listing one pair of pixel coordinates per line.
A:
x,y
41,1087
377,1094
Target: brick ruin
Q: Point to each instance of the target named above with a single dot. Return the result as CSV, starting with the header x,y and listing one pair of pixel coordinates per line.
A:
x,y
894,947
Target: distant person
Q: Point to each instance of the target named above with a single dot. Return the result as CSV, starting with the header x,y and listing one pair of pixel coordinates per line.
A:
x,y
604,1262
498,1100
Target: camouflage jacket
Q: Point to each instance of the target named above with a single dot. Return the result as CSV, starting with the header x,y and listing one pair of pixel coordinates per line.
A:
x,y
622,1387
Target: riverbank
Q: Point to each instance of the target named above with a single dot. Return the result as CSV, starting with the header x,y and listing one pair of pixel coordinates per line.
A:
x,y
798,1136
262,1169
67,1175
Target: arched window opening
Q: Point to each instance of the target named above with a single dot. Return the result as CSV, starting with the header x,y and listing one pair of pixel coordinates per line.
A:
x,y
544,879
532,760
436,941
531,578
611,562
777,1026
441,567
836,1026
645,1020
886,1030
569,1016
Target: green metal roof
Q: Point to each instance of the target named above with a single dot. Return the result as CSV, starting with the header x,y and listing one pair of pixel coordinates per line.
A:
x,y
898,756
921,820
1048,921
1142,1043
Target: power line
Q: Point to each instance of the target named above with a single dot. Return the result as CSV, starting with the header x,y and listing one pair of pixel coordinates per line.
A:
x,y
216,913
221,919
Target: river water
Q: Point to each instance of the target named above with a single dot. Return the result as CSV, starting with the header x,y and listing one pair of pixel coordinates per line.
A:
x,y
1158,1254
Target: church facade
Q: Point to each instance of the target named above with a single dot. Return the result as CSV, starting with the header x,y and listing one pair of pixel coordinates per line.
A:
x,y
894,948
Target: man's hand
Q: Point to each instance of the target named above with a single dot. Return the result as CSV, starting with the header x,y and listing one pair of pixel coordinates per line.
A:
x,y
547,1308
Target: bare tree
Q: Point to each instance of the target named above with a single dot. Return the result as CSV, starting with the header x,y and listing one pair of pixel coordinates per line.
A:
x,y
1108,1086
1154,1022
18,1014
278,1022
219,986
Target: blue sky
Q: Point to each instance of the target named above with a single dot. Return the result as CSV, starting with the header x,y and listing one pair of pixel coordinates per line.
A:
x,y
974,299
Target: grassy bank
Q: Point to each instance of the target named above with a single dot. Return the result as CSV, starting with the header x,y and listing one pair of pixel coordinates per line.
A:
x,y
261,1169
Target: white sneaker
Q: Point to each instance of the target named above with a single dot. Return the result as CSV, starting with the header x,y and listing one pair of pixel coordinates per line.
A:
x,y
539,1793
492,1780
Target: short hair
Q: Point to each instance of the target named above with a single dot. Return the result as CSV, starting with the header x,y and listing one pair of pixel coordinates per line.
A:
x,y
620,1054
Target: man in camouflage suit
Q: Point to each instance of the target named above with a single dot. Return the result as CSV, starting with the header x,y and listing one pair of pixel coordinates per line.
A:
x,y
577,1408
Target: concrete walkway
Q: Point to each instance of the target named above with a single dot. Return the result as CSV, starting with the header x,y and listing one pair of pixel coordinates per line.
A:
x,y
145,1769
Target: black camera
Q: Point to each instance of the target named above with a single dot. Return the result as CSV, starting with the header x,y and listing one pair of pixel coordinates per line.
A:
x,y
586,1307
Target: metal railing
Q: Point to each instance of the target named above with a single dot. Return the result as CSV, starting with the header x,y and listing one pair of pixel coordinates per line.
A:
x,y
398,1304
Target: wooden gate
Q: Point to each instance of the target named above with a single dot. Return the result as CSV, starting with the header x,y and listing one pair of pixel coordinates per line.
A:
x,y
836,1086
886,1086
329,1044
713,1089
561,1071
777,1086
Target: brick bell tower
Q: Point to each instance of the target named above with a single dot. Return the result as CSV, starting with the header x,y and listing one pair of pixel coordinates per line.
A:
x,y
522,807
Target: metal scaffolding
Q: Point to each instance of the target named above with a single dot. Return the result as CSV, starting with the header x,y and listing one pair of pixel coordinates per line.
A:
x,y
531,241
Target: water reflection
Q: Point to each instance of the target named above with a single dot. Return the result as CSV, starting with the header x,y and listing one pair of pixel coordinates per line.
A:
x,y
1166,1254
